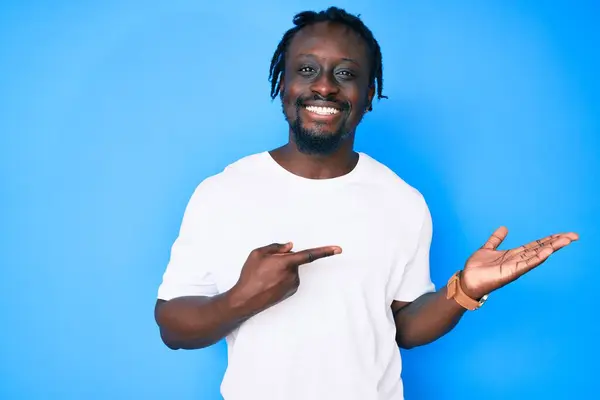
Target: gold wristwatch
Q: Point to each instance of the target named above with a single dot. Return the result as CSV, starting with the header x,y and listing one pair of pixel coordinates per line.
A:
x,y
454,290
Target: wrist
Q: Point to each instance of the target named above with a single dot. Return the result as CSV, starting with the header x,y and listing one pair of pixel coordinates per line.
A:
x,y
469,299
239,302
472,293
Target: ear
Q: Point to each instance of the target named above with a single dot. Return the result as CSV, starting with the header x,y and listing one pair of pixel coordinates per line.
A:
x,y
370,95
281,84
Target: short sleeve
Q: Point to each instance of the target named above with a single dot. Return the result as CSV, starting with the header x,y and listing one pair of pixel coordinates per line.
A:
x,y
186,273
416,279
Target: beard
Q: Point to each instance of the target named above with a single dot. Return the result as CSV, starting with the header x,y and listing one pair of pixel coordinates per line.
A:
x,y
317,141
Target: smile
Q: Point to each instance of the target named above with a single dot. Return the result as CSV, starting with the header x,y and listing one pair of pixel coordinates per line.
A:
x,y
322,110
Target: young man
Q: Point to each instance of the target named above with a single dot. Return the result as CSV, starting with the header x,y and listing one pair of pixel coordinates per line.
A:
x,y
312,260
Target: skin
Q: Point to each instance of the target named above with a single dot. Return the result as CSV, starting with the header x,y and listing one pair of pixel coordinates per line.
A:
x,y
330,63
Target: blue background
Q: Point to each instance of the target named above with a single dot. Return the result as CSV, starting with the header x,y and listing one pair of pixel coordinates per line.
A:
x,y
112,112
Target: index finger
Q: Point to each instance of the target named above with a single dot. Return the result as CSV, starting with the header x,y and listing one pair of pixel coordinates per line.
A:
x,y
542,242
310,255
538,242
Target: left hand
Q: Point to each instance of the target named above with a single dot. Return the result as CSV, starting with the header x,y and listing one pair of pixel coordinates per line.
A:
x,y
489,269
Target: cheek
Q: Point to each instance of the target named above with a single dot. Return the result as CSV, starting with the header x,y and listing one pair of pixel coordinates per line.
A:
x,y
286,99
288,106
285,96
359,105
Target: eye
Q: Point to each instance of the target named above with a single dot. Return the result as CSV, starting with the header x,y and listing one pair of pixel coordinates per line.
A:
x,y
346,74
306,69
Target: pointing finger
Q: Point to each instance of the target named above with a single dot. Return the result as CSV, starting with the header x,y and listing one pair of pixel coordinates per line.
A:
x,y
310,255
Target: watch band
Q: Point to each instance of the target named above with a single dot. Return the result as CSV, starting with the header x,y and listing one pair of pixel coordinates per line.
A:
x,y
454,290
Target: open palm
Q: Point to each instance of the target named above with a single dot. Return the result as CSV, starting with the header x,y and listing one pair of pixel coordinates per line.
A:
x,y
489,269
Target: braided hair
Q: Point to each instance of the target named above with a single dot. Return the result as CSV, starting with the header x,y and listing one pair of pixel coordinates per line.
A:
x,y
332,14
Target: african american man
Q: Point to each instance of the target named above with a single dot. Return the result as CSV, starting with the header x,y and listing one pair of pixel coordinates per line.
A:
x,y
312,259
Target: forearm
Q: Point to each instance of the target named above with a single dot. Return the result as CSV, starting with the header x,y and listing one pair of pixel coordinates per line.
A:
x,y
195,322
426,319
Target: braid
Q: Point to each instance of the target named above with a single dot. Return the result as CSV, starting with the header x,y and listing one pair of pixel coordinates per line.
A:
x,y
332,14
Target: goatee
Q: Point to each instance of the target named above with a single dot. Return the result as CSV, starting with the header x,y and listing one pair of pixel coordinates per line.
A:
x,y
317,141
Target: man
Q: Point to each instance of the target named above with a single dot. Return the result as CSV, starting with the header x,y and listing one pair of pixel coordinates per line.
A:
x,y
312,260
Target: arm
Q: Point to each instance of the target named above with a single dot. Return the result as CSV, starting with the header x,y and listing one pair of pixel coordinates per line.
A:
x,y
269,275
195,322
426,319
432,315
190,311
422,314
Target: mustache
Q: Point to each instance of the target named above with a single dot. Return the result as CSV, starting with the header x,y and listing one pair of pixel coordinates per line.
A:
x,y
343,105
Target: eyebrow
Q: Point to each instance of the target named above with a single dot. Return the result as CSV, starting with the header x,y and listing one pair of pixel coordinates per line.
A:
x,y
343,58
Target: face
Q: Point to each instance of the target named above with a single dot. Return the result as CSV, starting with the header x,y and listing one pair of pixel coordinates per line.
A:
x,y
325,87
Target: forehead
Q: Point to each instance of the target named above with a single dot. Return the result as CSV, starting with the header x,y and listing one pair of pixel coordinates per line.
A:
x,y
329,41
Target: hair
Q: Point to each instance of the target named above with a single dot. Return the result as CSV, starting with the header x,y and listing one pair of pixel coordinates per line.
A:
x,y
332,14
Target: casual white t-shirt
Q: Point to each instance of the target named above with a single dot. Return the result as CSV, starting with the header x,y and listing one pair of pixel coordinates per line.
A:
x,y
335,337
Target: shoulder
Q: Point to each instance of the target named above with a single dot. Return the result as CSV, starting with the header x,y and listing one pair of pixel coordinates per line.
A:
x,y
392,187
231,179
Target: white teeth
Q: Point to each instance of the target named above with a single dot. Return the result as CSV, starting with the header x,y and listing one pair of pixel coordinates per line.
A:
x,y
323,110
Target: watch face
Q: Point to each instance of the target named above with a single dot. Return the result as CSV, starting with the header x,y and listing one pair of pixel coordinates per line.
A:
x,y
483,299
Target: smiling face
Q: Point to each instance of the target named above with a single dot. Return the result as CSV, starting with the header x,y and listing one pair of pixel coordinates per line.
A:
x,y
325,88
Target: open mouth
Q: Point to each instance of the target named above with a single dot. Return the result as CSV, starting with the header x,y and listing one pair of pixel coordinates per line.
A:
x,y
322,110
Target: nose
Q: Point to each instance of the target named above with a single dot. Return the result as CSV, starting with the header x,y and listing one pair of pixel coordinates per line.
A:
x,y
325,86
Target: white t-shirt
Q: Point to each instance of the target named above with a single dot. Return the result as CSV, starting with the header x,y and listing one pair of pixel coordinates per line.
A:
x,y
335,337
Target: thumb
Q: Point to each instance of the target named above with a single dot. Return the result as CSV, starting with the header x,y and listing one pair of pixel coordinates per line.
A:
x,y
497,237
275,248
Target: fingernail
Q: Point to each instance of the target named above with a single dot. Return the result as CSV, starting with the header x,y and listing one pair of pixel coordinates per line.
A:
x,y
337,251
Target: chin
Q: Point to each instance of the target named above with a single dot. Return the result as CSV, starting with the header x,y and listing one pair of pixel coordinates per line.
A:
x,y
319,132
316,140
320,128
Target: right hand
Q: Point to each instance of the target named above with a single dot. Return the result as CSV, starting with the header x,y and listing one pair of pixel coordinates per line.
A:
x,y
270,274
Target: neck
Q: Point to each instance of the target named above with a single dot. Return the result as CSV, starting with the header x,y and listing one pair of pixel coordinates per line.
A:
x,y
316,166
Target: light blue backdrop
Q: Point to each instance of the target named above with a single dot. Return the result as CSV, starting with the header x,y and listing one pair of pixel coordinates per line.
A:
x,y
112,112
